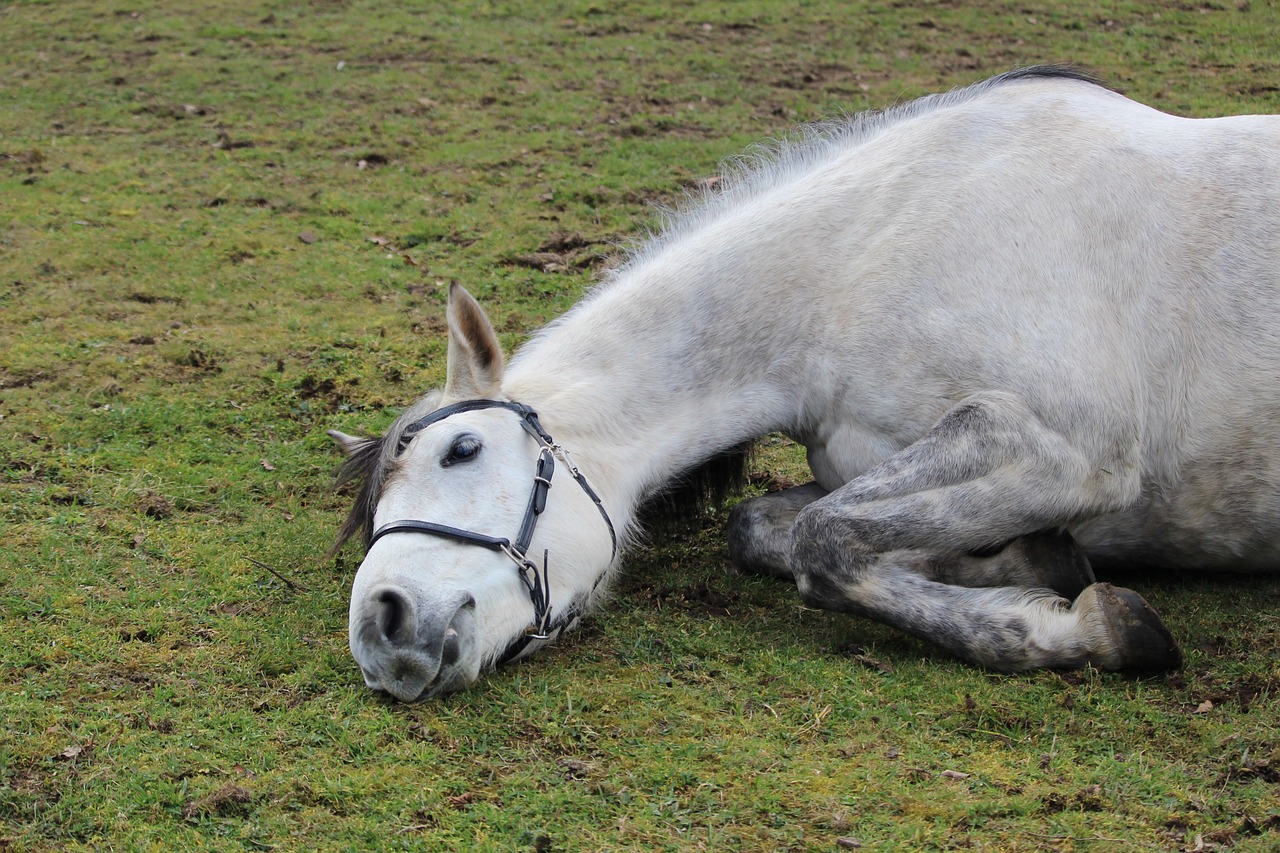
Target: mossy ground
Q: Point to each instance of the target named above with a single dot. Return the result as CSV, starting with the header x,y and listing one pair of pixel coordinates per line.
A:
x,y
224,231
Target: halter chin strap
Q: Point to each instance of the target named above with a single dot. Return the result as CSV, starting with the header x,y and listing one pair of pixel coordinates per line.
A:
x,y
535,580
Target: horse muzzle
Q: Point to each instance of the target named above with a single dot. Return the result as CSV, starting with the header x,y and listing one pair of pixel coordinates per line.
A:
x,y
410,652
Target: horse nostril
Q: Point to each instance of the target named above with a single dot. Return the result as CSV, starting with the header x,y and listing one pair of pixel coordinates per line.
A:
x,y
393,615
452,648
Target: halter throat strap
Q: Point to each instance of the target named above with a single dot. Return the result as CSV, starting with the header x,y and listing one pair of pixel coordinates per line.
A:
x,y
535,579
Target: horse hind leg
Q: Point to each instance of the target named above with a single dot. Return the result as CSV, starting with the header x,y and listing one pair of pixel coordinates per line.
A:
x,y
989,470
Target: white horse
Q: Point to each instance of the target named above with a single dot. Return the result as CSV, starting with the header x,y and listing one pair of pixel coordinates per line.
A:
x,y
1023,315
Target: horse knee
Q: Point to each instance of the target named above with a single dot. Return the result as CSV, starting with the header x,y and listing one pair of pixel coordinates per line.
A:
x,y
828,563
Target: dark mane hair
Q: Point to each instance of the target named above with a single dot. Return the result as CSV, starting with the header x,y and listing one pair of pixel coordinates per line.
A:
x,y
369,462
361,466
698,491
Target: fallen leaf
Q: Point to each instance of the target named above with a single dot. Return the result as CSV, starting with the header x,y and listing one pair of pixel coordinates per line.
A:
x,y
848,842
953,774
71,752
545,261
1204,707
267,466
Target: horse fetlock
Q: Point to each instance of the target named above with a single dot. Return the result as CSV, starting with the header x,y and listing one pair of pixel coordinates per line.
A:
x,y
1130,634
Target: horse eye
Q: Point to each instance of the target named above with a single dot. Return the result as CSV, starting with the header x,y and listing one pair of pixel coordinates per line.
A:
x,y
464,449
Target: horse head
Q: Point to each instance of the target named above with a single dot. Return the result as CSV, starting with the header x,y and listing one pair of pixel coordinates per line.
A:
x,y
471,560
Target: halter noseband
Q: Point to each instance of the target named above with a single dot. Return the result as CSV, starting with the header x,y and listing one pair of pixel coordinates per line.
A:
x,y
535,580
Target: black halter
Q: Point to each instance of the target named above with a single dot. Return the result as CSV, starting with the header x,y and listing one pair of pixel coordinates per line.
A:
x,y
535,580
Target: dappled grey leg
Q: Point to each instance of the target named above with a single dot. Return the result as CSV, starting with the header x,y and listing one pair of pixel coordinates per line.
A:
x,y
988,471
1004,628
759,532
759,529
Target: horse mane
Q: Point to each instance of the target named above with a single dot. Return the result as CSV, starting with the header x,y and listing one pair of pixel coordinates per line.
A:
x,y
770,163
369,463
698,491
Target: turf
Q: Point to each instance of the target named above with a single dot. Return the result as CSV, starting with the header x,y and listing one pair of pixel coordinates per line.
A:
x,y
223,232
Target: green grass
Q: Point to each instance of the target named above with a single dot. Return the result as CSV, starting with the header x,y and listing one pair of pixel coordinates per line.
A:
x,y
191,292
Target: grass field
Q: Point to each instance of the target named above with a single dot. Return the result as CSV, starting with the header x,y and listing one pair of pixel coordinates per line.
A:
x,y
224,232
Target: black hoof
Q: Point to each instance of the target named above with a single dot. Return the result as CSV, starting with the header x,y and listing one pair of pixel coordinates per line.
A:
x,y
1141,642
1060,563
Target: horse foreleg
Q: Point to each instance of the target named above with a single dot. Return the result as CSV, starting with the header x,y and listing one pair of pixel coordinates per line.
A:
x,y
759,533
885,545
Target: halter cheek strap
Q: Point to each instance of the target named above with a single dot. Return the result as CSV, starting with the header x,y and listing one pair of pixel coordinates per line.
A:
x,y
535,580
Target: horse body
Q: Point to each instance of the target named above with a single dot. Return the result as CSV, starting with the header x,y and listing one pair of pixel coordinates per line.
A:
x,y
1028,305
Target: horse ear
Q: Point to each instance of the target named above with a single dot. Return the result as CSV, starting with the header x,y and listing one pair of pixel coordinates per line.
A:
x,y
348,444
474,370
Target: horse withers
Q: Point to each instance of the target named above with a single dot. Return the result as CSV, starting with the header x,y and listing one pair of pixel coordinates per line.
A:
x,y
1018,327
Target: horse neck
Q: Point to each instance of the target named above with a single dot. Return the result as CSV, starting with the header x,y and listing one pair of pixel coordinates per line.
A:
x,y
671,362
